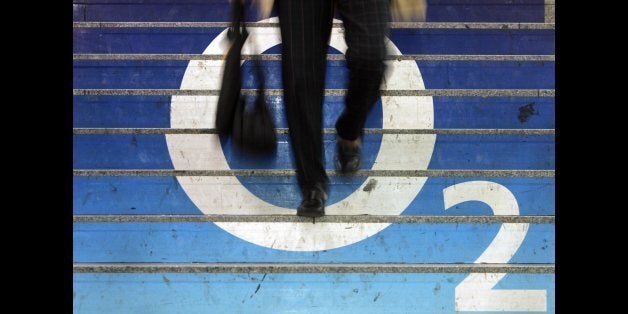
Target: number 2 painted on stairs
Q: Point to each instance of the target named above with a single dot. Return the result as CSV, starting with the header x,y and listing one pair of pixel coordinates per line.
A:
x,y
475,292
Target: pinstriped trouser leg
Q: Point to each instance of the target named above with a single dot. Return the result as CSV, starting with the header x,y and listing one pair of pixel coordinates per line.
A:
x,y
305,30
366,26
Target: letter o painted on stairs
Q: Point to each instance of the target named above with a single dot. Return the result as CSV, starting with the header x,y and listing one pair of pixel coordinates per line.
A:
x,y
226,195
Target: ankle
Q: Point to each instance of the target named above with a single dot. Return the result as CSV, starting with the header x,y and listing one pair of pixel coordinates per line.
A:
x,y
356,142
318,189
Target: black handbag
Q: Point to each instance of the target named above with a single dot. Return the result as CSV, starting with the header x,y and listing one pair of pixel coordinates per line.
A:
x,y
252,127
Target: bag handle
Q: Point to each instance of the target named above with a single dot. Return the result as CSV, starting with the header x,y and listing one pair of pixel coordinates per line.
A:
x,y
237,27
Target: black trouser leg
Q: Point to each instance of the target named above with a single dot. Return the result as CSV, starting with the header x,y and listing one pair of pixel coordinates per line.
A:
x,y
305,30
366,26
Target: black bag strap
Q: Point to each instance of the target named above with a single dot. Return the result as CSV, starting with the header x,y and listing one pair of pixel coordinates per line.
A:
x,y
232,76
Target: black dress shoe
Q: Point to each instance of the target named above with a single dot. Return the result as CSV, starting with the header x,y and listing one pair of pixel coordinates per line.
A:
x,y
348,156
313,204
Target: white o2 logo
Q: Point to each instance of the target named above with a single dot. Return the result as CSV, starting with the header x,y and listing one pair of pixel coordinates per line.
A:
x,y
226,195
390,196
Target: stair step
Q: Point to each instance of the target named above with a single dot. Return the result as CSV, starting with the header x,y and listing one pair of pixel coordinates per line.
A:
x,y
328,92
264,268
325,219
422,25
